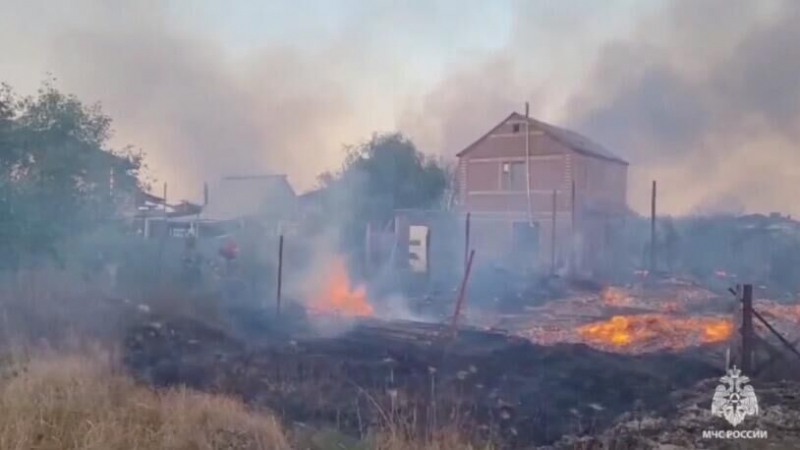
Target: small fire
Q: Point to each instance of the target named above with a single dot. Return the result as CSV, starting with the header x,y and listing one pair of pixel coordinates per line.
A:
x,y
616,331
339,297
717,331
677,333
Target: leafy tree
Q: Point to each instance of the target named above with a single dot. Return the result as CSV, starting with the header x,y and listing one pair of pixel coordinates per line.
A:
x,y
58,177
387,173
382,175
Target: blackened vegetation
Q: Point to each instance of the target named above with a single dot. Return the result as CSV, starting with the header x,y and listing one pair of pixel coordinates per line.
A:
x,y
390,373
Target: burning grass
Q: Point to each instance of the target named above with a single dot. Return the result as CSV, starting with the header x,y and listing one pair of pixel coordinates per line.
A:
x,y
672,332
631,320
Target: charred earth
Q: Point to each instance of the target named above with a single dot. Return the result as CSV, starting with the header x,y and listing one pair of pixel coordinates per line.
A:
x,y
358,374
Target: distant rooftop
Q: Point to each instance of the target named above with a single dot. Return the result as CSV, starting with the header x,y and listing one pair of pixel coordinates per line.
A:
x,y
237,196
268,176
571,139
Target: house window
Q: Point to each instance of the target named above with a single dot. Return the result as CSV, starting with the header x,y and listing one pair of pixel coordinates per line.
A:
x,y
514,176
515,128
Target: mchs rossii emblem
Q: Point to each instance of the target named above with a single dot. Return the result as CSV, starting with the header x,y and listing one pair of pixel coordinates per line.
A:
x,y
734,399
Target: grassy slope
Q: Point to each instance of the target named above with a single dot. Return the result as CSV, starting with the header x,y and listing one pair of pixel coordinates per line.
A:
x,y
79,401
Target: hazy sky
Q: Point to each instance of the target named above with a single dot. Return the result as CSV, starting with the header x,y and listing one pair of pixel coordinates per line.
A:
x,y
208,88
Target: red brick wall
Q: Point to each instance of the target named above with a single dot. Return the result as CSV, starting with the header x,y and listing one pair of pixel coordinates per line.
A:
x,y
483,175
553,166
541,202
600,183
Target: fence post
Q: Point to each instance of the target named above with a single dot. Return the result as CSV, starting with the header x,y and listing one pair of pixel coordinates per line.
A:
x,y
466,242
280,276
747,328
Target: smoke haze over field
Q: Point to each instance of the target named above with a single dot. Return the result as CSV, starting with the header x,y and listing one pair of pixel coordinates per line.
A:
x,y
711,111
702,95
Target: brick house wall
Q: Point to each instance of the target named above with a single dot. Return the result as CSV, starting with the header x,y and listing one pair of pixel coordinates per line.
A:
x,y
492,185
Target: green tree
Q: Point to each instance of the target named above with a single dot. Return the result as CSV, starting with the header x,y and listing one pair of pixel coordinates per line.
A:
x,y
380,176
58,176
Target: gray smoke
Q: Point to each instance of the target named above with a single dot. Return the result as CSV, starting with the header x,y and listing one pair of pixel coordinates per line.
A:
x,y
706,98
198,111
466,104
702,95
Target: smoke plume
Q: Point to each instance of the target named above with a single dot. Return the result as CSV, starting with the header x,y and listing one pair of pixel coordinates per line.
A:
x,y
703,96
198,111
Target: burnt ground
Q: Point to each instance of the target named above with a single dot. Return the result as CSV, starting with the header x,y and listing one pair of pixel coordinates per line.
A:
x,y
375,373
679,423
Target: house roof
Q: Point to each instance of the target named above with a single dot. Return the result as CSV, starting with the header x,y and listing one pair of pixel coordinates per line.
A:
x,y
571,139
143,197
279,181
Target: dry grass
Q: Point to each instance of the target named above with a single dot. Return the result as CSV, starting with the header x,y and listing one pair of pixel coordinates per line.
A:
x,y
445,439
77,402
72,396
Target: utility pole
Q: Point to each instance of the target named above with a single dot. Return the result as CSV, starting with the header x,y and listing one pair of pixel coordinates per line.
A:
x,y
572,256
553,236
368,250
653,230
163,241
280,277
528,162
466,242
747,328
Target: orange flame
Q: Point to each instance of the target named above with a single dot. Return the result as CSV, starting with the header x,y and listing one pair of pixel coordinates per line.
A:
x,y
339,297
717,331
624,331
